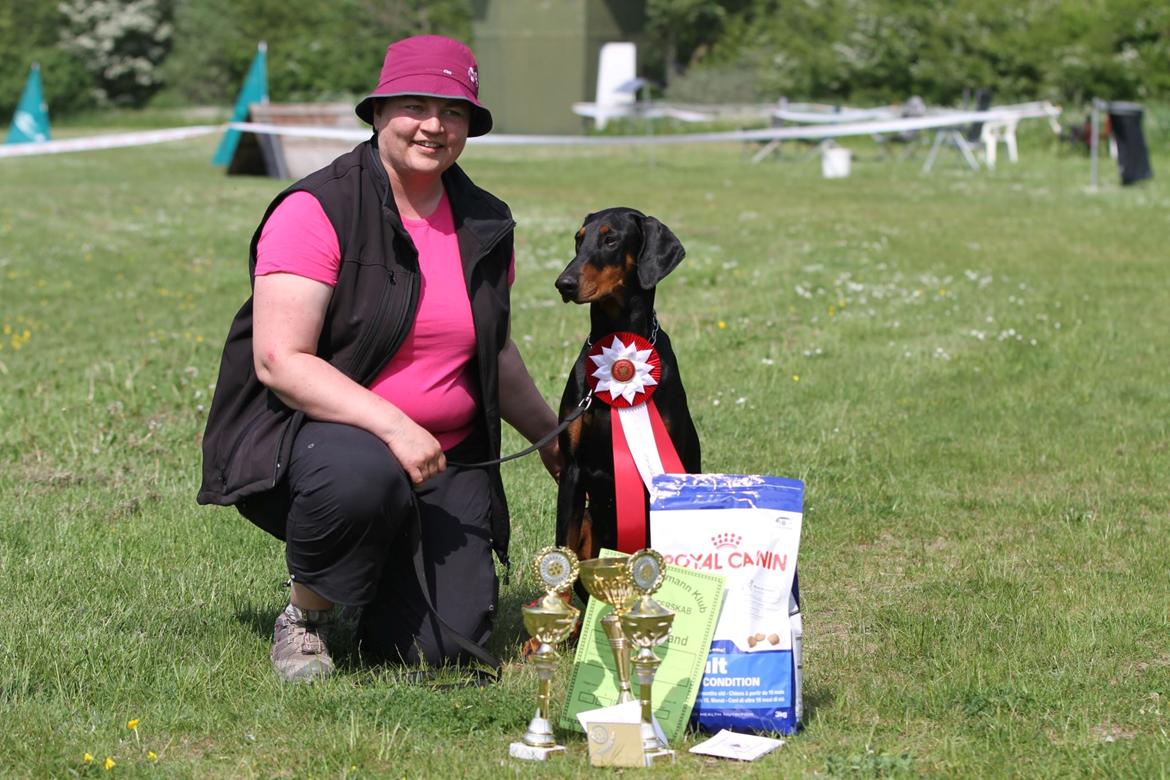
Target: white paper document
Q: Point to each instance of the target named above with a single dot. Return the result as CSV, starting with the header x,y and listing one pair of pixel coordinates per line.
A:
x,y
742,747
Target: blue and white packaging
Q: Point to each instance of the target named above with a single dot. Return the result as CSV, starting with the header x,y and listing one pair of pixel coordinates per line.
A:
x,y
746,528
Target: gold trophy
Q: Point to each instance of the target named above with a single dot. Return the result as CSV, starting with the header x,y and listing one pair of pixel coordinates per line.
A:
x,y
549,620
609,580
647,624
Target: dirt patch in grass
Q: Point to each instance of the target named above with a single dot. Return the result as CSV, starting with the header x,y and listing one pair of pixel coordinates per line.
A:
x,y
1108,732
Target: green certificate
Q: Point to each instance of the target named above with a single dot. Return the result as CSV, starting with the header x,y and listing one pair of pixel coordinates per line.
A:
x,y
695,597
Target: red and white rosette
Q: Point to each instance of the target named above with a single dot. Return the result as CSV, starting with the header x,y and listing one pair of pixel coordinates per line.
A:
x,y
623,370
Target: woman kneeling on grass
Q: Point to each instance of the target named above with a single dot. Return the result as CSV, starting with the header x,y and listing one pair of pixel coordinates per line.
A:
x,y
374,350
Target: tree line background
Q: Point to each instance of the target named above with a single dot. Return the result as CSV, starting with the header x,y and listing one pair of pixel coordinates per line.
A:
x,y
101,53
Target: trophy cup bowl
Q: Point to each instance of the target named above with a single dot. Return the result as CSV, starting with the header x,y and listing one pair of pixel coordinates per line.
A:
x,y
647,624
608,579
550,620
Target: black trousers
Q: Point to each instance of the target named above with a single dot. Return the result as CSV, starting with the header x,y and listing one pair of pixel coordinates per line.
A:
x,y
351,535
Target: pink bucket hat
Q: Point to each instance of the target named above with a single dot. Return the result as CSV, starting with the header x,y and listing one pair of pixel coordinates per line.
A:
x,y
433,66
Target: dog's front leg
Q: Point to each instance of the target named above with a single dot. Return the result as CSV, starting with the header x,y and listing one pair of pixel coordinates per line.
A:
x,y
573,527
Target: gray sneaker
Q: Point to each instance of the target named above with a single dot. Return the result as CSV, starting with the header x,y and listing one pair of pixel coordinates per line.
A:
x,y
299,653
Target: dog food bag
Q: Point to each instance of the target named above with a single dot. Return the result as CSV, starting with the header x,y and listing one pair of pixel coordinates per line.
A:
x,y
746,528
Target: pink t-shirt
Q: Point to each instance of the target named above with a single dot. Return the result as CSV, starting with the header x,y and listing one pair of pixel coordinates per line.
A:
x,y
429,378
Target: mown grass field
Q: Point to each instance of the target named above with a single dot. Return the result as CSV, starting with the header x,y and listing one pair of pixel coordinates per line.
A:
x,y
969,370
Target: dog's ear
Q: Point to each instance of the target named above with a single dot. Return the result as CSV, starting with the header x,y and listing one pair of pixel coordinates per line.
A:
x,y
589,218
661,253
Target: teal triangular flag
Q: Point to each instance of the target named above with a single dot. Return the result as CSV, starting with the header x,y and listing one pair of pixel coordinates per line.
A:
x,y
30,123
255,90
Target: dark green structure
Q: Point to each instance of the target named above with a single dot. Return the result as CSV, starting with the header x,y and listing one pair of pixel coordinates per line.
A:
x,y
538,57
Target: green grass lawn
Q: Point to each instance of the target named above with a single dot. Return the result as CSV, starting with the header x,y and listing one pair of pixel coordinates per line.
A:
x,y
968,370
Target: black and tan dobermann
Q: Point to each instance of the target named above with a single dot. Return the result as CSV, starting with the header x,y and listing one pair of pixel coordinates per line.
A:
x,y
622,254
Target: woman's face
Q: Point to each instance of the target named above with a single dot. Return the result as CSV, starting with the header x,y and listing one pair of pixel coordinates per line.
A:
x,y
421,136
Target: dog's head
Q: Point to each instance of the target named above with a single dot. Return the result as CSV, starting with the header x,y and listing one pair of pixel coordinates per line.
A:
x,y
618,250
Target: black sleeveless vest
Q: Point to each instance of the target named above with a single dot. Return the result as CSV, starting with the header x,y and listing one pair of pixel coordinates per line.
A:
x,y
250,432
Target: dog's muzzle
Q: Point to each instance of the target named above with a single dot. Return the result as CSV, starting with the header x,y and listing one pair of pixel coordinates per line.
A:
x,y
567,285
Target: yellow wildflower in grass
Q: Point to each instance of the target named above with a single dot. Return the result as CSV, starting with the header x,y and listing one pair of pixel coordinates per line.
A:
x,y
796,377
110,763
87,758
722,324
151,755
132,724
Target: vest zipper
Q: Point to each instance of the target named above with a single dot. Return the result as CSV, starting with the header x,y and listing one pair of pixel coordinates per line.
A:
x,y
382,316
488,247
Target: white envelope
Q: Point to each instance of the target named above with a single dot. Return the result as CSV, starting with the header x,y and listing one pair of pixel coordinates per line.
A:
x,y
742,747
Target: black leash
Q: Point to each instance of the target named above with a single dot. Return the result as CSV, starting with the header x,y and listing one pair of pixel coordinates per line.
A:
x,y
582,406
488,670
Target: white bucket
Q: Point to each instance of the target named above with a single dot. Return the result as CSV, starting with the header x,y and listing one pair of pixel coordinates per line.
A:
x,y
835,162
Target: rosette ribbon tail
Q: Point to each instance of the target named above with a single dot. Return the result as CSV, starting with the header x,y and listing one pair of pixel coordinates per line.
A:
x,y
623,370
642,449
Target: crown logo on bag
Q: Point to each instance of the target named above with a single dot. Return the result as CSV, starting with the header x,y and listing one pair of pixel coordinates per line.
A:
x,y
726,540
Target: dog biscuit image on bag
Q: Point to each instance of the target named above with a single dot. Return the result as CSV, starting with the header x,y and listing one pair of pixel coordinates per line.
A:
x,y
747,529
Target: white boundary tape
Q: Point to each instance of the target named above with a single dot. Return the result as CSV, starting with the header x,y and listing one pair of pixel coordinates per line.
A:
x,y
111,141
835,117
813,133
816,133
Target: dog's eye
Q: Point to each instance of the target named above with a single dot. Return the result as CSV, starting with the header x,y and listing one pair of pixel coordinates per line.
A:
x,y
610,240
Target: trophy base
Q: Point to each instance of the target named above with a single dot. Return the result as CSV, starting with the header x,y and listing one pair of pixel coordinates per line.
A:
x,y
530,753
659,757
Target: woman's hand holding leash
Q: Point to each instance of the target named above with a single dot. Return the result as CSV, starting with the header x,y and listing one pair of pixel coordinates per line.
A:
x,y
550,456
417,450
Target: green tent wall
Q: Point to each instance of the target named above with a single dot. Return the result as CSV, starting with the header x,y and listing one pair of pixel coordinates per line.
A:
x,y
538,57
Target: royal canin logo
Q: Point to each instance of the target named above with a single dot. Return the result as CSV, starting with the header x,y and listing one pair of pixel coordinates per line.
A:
x,y
719,541
727,555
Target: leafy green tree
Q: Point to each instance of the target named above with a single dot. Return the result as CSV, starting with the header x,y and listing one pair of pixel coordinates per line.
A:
x,y
867,50
28,34
680,29
316,50
121,43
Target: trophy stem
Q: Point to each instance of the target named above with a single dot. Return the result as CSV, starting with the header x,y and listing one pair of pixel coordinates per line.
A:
x,y
540,733
646,666
549,620
647,623
620,646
